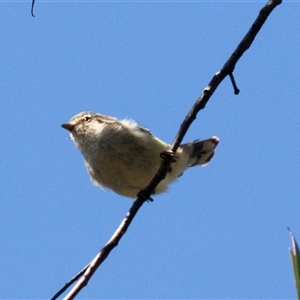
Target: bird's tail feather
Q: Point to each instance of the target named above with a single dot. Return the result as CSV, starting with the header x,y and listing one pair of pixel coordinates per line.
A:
x,y
201,152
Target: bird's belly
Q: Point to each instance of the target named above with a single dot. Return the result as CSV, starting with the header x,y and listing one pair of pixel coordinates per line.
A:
x,y
125,178
125,174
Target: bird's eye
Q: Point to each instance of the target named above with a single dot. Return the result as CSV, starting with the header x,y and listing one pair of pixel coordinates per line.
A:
x,y
87,119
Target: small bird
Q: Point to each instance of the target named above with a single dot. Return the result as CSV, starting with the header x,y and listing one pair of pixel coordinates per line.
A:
x,y
122,156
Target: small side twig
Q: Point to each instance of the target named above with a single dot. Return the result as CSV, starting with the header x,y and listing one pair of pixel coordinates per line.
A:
x,y
69,283
200,104
235,88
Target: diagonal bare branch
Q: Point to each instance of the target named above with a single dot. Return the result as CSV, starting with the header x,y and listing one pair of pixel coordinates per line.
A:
x,y
168,157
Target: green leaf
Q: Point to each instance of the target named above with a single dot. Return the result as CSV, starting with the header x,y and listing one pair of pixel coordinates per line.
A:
x,y
295,255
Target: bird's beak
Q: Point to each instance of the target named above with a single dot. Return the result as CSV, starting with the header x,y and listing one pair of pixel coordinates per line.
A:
x,y
68,126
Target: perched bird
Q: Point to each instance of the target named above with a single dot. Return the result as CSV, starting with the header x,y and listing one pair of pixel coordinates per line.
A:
x,y
122,156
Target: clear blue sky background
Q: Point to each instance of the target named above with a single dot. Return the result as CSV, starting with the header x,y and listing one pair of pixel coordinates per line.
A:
x,y
220,231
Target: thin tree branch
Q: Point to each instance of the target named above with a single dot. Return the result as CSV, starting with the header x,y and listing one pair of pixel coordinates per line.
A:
x,y
105,251
227,69
169,156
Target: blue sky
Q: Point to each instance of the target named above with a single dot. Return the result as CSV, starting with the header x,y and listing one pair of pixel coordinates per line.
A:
x,y
220,230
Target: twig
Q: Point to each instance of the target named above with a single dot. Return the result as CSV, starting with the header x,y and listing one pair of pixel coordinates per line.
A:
x,y
236,89
168,157
68,284
32,6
